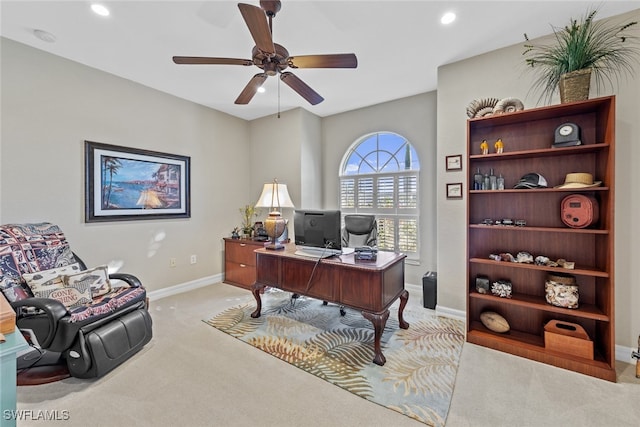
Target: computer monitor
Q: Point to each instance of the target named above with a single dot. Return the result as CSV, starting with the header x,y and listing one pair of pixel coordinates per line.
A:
x,y
318,231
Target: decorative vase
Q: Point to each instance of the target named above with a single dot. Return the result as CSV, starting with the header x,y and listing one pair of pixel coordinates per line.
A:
x,y
275,225
574,86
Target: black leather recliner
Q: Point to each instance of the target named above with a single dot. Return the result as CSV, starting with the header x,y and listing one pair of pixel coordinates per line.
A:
x,y
90,345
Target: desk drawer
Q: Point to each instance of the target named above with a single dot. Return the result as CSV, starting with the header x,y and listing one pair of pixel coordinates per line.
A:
x,y
241,253
239,274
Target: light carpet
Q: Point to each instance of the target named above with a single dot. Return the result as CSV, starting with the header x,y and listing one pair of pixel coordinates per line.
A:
x,y
417,380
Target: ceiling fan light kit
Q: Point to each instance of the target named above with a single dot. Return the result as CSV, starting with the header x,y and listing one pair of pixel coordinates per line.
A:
x,y
271,57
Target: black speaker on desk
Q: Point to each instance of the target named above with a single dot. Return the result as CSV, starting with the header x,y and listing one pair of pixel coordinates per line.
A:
x,y
430,289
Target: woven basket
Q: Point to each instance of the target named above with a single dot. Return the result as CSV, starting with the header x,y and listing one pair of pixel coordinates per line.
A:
x,y
574,86
563,279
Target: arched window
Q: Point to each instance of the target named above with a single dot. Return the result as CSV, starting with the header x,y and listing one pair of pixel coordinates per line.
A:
x,y
379,175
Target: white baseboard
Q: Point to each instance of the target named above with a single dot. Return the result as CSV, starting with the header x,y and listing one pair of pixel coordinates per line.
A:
x,y
185,287
623,354
451,312
413,289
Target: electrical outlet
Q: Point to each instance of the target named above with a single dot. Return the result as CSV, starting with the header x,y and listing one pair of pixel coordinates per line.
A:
x,y
172,262
194,259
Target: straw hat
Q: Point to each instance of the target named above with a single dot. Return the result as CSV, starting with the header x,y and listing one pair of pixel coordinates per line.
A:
x,y
579,180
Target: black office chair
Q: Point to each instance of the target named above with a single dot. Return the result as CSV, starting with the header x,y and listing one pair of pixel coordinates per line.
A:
x,y
358,231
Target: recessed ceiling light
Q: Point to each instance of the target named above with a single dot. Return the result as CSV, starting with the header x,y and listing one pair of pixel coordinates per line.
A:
x,y
45,36
100,9
448,18
261,89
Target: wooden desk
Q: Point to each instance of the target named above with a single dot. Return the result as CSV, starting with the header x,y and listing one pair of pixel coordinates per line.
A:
x,y
368,286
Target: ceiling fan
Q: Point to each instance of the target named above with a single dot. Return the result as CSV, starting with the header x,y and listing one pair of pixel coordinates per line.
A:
x,y
271,57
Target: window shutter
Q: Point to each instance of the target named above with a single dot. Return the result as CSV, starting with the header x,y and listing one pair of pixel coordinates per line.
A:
x,y
365,193
347,193
385,192
408,235
386,233
408,192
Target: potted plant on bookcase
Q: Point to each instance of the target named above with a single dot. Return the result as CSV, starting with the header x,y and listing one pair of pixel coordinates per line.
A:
x,y
604,49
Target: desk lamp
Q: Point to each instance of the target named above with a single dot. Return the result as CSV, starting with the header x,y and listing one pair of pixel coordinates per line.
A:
x,y
274,196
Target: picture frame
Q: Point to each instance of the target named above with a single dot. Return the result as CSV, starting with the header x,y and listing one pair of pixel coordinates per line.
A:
x,y
454,163
454,191
124,184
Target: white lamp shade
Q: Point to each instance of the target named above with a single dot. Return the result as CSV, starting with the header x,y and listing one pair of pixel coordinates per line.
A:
x,y
269,199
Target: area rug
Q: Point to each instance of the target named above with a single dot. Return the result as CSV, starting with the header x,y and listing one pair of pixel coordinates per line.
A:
x,y
417,380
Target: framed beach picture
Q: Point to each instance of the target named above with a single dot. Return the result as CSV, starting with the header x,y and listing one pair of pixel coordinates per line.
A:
x,y
123,183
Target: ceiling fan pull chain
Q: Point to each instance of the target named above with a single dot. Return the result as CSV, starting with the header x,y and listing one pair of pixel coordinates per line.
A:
x,y
278,98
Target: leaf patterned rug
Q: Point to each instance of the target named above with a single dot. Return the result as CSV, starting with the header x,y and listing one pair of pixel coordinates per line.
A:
x,y
417,380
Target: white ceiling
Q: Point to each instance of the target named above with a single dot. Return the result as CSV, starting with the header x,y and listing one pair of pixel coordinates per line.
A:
x,y
399,44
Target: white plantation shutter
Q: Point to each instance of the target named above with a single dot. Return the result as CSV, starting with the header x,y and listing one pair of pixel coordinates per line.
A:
x,y
408,235
347,194
386,233
365,193
385,193
408,192
380,176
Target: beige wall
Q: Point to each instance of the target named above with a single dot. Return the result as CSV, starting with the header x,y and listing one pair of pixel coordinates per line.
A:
x,y
287,148
502,74
51,105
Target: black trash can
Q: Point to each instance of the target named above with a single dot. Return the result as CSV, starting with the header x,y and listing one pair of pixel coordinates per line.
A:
x,y
430,289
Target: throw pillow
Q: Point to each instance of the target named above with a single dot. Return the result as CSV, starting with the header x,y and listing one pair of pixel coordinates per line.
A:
x,y
43,282
72,296
51,284
97,278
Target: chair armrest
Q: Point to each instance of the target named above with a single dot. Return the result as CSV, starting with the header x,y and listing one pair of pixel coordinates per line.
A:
x,y
54,309
51,309
131,280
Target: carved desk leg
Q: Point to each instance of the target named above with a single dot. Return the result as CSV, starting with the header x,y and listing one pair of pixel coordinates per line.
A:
x,y
256,289
404,297
379,321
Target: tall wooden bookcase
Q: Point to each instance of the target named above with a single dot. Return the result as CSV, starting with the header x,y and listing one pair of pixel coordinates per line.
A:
x,y
528,136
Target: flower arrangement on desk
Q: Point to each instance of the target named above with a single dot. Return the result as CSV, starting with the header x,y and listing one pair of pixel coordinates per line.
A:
x,y
248,213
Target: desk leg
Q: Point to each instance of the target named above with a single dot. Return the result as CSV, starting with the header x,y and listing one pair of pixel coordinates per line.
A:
x,y
256,290
379,321
404,297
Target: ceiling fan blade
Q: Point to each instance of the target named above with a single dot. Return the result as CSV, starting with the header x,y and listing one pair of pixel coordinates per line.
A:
x,y
206,60
251,88
338,60
256,20
301,87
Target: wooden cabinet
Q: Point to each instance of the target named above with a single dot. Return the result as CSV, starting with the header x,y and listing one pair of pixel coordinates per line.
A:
x,y
528,136
240,261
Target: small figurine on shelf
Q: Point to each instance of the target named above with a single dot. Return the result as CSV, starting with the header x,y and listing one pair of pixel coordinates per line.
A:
x,y
499,145
484,147
235,234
